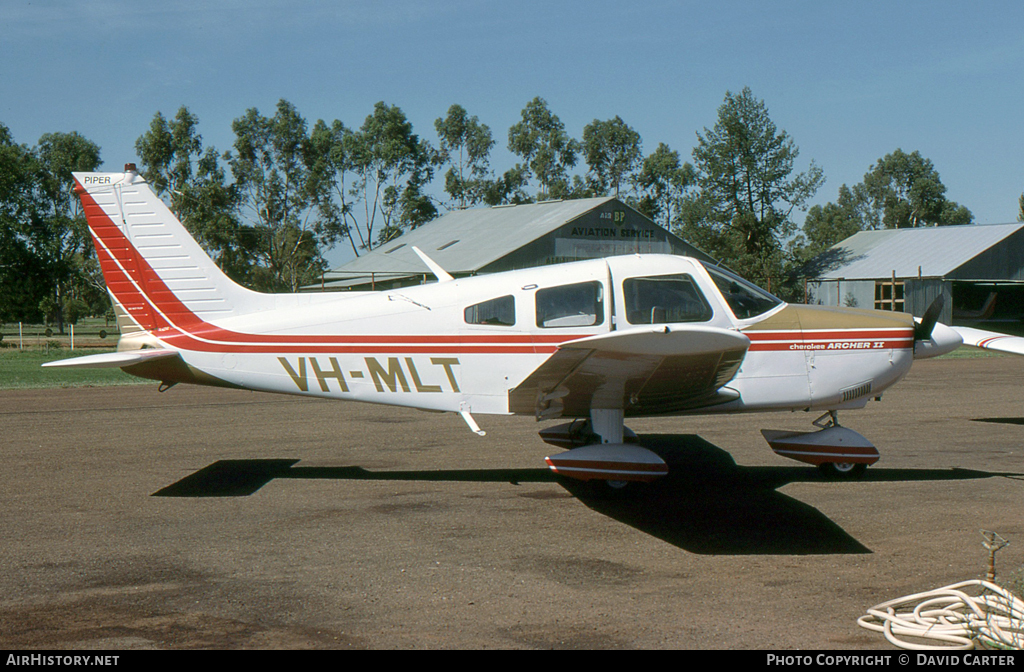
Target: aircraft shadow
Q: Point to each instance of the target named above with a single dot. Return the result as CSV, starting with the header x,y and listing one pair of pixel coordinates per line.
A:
x,y
710,505
706,505
1003,421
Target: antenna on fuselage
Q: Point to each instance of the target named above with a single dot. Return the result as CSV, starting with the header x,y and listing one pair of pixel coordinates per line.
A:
x,y
435,268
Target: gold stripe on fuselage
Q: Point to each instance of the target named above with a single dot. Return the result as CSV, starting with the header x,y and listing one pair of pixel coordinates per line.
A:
x,y
823,317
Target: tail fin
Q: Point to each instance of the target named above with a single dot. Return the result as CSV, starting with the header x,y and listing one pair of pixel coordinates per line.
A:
x,y
156,273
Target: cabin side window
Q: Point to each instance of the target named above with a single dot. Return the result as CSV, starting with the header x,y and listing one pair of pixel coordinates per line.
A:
x,y
499,312
578,305
663,299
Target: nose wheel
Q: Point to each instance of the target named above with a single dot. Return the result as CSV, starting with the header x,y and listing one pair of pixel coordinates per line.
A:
x,y
838,452
842,470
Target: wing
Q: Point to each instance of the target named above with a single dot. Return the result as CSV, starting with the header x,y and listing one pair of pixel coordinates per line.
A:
x,y
990,340
645,371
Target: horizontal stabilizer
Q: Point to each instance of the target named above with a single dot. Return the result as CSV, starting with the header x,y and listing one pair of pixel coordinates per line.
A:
x,y
113,360
990,340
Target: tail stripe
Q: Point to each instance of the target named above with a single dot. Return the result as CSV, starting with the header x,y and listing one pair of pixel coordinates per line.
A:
x,y
140,289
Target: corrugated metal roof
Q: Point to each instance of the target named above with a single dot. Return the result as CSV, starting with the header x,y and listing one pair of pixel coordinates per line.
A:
x,y
464,241
937,251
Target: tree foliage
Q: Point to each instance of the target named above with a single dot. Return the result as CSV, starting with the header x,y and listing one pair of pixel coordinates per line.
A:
x,y
746,189
268,210
23,279
661,184
465,147
826,225
194,183
899,190
906,191
372,181
278,193
62,237
548,152
46,255
613,152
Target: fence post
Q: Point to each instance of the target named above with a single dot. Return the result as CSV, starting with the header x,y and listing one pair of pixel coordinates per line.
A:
x,y
21,343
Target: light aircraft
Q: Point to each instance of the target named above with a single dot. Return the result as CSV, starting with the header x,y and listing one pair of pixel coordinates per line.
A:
x,y
594,341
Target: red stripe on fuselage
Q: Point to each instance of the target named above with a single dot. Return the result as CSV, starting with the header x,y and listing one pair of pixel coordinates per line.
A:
x,y
831,340
829,334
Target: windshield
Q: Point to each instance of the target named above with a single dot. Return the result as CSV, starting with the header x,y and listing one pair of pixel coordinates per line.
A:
x,y
744,298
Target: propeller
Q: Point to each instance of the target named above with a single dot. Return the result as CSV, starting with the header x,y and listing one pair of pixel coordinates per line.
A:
x,y
923,329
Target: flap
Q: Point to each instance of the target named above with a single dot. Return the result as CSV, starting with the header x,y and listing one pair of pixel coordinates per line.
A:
x,y
644,371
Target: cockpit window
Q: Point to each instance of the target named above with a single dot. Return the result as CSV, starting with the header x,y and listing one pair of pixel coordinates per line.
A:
x,y
498,312
662,299
579,305
744,298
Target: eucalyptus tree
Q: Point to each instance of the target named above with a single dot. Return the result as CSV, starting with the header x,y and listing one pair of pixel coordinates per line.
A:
x,y
332,167
194,184
46,255
539,138
661,183
900,190
746,190
465,145
509,188
906,191
391,165
370,182
613,152
278,193
24,282
60,236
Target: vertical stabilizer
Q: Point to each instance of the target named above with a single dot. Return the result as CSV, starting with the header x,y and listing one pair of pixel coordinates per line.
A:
x,y
155,271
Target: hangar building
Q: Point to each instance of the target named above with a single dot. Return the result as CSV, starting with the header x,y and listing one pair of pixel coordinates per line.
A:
x,y
503,238
979,269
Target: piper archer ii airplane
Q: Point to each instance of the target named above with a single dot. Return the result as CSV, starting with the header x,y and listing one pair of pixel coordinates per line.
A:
x,y
595,341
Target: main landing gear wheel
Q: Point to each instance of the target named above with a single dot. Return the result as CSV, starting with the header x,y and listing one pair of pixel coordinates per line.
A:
x,y
842,470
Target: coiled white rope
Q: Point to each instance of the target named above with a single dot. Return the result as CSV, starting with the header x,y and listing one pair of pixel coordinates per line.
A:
x,y
951,616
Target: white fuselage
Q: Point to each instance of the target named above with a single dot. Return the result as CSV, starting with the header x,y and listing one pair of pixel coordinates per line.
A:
x,y
419,347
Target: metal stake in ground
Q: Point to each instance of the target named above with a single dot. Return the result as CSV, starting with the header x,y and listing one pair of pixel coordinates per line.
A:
x,y
993,542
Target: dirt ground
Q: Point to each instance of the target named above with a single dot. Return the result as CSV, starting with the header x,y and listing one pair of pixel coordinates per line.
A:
x,y
199,517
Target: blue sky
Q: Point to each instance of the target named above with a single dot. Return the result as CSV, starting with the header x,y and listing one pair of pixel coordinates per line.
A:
x,y
850,82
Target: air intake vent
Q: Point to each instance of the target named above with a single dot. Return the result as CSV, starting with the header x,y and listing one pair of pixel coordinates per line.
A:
x,y
862,390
